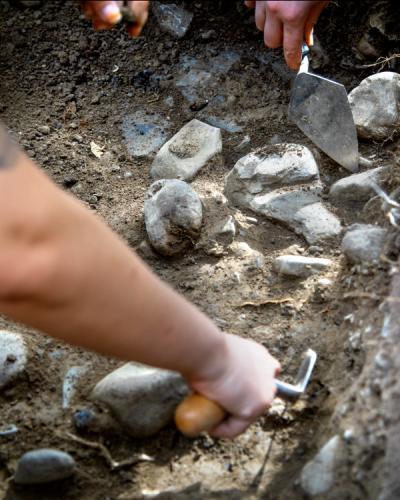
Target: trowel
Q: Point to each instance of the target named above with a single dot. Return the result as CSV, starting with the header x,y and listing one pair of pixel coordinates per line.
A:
x,y
321,110
196,413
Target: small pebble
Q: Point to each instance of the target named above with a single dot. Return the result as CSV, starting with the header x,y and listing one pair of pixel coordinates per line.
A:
x,y
44,129
43,466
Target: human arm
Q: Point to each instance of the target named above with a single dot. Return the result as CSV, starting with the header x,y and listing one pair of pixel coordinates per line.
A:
x,y
63,271
287,24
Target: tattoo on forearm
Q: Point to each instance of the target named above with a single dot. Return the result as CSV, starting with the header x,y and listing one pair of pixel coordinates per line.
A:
x,y
8,149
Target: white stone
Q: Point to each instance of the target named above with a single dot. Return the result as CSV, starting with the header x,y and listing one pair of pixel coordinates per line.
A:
x,y
142,398
173,216
364,242
270,168
375,105
187,151
225,229
299,266
43,466
13,356
357,187
318,476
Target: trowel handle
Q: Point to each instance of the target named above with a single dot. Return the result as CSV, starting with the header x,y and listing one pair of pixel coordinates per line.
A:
x,y
197,414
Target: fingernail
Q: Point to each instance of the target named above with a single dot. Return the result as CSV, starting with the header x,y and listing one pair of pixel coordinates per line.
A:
x,y
311,38
111,13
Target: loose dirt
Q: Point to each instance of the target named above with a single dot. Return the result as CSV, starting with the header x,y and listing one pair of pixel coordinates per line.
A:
x,y
56,71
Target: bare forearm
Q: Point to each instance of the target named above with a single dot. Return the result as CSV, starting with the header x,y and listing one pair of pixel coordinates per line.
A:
x,y
98,294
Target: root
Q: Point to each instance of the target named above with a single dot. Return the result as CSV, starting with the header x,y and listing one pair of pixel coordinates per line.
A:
x,y
113,464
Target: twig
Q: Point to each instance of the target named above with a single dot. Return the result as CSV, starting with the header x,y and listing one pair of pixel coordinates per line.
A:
x,y
266,302
383,61
114,465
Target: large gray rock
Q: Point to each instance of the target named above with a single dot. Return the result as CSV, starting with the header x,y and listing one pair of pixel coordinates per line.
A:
x,y
269,168
364,242
357,187
43,466
173,216
12,356
188,150
318,476
172,18
280,181
142,398
301,210
375,105
299,266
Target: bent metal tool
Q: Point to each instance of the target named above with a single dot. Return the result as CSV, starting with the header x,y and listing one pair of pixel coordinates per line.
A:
x,y
196,413
321,110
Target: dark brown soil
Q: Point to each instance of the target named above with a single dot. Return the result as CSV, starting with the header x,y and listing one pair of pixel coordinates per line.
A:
x,y
56,71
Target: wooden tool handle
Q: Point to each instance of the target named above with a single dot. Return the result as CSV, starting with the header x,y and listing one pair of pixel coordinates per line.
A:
x,y
196,414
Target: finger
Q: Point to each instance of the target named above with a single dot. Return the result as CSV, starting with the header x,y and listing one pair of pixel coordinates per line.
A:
x,y
98,25
260,15
273,32
230,428
312,19
250,4
87,9
108,11
292,42
141,11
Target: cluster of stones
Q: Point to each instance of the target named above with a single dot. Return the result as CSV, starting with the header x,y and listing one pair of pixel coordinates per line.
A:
x,y
280,182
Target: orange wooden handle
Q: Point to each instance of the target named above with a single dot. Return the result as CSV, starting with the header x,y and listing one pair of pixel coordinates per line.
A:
x,y
196,414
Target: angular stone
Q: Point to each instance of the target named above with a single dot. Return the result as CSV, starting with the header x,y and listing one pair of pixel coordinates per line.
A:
x,y
172,18
173,216
364,242
43,466
142,398
281,181
318,476
12,356
357,187
299,266
144,133
189,150
269,168
375,105
300,210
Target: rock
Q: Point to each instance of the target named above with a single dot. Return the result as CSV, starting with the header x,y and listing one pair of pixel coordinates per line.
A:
x,y
189,150
70,383
375,105
281,181
144,133
364,242
224,230
299,266
12,356
43,466
44,129
318,476
252,257
172,18
270,168
142,398
357,187
173,216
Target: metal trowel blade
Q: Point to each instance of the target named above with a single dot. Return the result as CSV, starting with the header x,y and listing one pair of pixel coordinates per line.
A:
x,y
320,108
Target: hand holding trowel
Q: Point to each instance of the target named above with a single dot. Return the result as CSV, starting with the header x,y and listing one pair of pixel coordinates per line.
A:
x,y
320,108
197,414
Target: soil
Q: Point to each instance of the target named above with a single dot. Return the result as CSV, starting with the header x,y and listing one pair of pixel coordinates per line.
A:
x,y
56,71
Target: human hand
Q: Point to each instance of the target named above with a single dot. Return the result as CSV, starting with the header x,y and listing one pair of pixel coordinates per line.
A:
x,y
242,383
105,14
287,24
